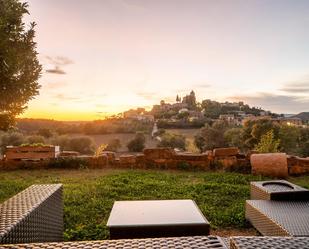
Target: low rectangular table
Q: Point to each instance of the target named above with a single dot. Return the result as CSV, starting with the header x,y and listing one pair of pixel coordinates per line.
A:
x,y
278,190
164,218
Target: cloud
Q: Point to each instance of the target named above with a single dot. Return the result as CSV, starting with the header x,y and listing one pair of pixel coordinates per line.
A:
x,y
276,102
56,70
58,60
56,64
296,87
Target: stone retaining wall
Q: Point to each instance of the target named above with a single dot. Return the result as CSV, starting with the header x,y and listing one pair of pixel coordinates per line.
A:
x,y
226,159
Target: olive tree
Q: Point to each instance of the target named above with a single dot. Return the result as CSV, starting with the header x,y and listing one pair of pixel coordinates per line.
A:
x,y
19,65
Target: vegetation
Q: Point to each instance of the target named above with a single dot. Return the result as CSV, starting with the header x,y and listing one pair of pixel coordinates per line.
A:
x,y
89,194
99,151
268,144
211,137
113,145
172,140
11,138
263,135
19,65
138,143
81,144
47,128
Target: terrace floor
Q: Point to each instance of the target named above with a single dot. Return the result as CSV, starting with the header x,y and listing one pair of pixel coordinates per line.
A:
x,y
89,195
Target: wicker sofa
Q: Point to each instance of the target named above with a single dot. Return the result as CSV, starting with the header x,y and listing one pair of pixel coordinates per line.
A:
x,y
33,215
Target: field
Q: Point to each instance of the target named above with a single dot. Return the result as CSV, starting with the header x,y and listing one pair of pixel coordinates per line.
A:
x,y
126,137
123,137
90,194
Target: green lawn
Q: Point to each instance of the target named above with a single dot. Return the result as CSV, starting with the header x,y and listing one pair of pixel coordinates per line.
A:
x,y
90,194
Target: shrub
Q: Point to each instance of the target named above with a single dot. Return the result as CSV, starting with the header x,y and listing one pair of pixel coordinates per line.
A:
x,y
173,141
68,163
268,144
113,145
183,165
35,139
11,138
100,150
137,144
82,144
45,132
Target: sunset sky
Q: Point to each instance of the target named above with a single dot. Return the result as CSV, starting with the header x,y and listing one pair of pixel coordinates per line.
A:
x,y
105,56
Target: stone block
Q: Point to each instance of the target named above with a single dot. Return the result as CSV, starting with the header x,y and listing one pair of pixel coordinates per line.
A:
x,y
159,153
111,156
190,157
269,164
223,152
298,165
127,160
228,162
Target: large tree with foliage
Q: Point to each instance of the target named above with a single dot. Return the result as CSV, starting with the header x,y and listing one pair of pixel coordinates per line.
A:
x,y
210,137
19,65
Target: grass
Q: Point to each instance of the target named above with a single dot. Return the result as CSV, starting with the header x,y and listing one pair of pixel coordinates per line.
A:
x,y
90,194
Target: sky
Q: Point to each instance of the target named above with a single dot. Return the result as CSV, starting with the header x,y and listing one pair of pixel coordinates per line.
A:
x,y
101,57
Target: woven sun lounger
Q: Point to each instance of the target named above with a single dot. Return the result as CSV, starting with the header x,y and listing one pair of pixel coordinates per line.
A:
x,y
279,218
33,215
206,242
278,190
261,242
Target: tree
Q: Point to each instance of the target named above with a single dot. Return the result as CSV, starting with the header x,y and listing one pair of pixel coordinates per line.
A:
x,y
268,143
19,65
82,144
12,138
233,137
113,145
138,143
35,139
45,132
254,129
210,137
289,139
173,141
212,109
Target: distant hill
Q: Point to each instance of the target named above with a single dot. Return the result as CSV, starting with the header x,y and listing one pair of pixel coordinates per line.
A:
x,y
304,116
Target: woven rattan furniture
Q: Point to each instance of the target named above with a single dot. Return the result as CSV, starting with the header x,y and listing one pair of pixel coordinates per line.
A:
x,y
279,218
33,215
259,242
206,242
153,219
278,190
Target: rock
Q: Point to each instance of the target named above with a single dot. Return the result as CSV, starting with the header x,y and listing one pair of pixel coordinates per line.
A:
x,y
140,161
222,152
298,165
127,161
227,162
111,156
159,153
190,157
269,164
